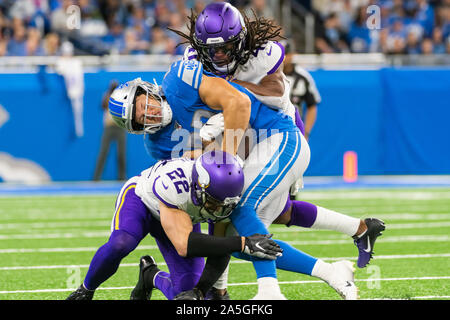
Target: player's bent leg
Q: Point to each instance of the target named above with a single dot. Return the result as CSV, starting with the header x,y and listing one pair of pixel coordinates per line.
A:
x,y
107,259
183,274
128,228
308,215
105,263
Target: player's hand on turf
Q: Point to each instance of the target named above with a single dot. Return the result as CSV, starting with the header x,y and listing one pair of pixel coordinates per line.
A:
x,y
194,294
261,246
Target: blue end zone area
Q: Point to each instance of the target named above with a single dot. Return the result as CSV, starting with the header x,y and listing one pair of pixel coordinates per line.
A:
x,y
311,183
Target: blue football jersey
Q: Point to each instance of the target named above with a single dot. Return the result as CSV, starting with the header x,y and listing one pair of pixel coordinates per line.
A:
x,y
180,86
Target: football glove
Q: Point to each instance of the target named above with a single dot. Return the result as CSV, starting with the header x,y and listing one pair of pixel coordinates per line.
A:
x,y
213,127
261,246
194,294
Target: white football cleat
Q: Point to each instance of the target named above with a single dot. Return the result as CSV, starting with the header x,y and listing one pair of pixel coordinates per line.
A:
x,y
269,296
343,280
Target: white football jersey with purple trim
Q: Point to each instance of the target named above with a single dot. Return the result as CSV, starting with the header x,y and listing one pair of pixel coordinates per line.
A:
x,y
169,182
266,61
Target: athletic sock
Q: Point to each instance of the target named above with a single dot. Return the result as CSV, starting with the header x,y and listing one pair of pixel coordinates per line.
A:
x,y
308,215
322,270
332,220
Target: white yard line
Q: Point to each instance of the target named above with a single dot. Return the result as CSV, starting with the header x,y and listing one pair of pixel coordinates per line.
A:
x,y
273,228
107,223
99,234
420,238
241,284
53,225
372,194
390,226
134,265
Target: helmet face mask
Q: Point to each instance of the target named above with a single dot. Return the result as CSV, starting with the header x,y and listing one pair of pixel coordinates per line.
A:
x,y
231,52
123,107
213,209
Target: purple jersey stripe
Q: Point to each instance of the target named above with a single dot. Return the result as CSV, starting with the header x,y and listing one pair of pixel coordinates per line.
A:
x,y
159,197
280,60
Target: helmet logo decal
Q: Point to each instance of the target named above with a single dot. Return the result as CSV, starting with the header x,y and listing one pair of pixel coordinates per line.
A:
x,y
203,175
116,108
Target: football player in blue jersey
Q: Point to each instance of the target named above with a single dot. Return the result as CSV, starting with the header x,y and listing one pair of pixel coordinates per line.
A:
x,y
236,46
278,158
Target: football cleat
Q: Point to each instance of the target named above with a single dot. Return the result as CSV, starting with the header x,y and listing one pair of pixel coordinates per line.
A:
x,y
343,280
215,294
143,290
81,294
269,296
193,294
366,242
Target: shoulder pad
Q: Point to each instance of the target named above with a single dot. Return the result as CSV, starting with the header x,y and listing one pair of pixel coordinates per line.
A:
x,y
190,71
171,185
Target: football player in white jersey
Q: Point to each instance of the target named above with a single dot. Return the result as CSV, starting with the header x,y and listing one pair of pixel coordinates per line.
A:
x,y
166,200
231,46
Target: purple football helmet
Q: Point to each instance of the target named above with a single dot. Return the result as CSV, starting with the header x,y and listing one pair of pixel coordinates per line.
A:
x,y
219,38
217,184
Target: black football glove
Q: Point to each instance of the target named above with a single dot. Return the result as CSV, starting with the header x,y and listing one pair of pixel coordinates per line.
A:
x,y
261,246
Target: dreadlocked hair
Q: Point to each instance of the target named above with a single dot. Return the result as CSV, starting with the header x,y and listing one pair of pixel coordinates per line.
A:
x,y
191,29
259,31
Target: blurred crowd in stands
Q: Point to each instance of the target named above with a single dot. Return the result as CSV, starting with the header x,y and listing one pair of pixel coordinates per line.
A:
x,y
404,26
97,27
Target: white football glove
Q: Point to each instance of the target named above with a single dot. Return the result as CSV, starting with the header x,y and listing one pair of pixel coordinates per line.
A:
x,y
213,127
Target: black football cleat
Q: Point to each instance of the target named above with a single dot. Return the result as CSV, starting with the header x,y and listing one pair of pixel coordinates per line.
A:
x,y
194,294
143,289
366,242
81,294
214,294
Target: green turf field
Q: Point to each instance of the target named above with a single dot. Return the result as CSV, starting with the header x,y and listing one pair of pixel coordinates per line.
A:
x,y
47,242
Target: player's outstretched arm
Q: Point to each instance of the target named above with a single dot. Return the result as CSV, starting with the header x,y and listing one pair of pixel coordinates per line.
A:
x,y
178,227
272,85
218,94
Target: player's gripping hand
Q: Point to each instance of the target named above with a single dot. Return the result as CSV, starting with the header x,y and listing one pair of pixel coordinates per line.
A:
x,y
194,294
261,246
213,127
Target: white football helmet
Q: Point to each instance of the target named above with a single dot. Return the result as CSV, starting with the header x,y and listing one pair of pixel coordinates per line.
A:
x,y
122,106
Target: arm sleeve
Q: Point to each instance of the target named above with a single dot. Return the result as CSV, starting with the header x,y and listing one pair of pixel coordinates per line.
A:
x,y
214,267
205,245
